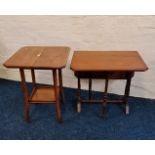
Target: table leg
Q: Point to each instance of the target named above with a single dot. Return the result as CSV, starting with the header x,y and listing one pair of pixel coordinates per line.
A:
x,y
90,88
127,92
55,81
78,96
61,86
33,78
25,92
105,96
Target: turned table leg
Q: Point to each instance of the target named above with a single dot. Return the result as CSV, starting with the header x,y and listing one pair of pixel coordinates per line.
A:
x,y
90,88
55,81
25,92
105,96
127,92
78,96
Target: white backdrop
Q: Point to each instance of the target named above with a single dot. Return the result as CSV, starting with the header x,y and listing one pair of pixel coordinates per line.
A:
x,y
85,33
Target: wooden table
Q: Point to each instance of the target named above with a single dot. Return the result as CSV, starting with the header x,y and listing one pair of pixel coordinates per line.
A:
x,y
42,58
106,65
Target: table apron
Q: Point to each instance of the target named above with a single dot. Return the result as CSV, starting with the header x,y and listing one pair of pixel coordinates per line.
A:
x,y
104,74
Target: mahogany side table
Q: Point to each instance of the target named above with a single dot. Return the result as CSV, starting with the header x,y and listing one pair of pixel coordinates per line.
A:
x,y
41,58
106,65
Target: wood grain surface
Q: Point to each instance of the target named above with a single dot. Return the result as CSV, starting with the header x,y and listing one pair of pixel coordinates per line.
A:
x,y
107,61
40,57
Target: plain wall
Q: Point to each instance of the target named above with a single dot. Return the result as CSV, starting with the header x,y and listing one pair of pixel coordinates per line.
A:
x,y
85,33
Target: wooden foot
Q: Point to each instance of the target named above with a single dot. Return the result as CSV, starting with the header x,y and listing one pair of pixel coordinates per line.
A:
x,y
104,109
78,96
127,92
78,107
127,109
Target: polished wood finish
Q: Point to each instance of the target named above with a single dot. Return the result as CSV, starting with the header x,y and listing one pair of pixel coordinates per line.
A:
x,y
55,80
43,94
107,61
41,57
25,92
106,65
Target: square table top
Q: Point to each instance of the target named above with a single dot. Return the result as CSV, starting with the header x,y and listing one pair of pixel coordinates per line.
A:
x,y
39,57
107,61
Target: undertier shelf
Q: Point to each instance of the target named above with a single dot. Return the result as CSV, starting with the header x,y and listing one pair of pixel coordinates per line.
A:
x,y
43,95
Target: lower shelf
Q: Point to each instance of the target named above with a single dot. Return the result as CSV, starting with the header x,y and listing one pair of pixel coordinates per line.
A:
x,y
43,95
